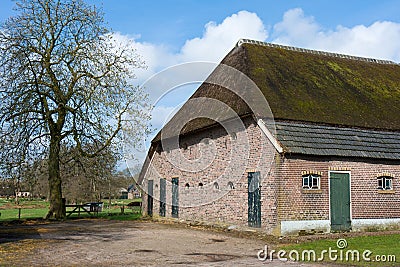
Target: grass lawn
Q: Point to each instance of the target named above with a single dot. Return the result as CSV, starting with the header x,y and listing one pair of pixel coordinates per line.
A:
x,y
30,209
37,208
27,213
378,250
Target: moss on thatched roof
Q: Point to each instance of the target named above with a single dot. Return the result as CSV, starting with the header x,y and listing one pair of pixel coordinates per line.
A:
x,y
310,87
306,86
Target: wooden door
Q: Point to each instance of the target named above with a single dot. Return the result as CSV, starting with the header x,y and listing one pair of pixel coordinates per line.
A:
x,y
162,196
254,199
340,201
150,198
175,197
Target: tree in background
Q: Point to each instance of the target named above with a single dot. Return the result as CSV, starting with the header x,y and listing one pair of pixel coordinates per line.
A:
x,y
35,178
65,80
85,178
7,187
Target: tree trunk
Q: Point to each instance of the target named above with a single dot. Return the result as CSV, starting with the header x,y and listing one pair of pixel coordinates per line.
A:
x,y
56,206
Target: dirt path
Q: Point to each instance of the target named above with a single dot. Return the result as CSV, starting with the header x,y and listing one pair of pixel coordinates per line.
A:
x,y
130,243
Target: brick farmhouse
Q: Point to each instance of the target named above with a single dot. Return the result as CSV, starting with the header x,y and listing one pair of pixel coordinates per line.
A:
x,y
326,159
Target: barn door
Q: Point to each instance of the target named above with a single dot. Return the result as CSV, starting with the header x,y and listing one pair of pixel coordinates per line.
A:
x,y
150,198
254,199
175,197
162,196
340,201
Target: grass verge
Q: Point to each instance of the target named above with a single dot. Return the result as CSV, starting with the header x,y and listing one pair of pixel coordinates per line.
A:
x,y
367,250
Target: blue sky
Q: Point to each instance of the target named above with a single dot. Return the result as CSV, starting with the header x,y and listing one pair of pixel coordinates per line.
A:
x,y
171,32
172,22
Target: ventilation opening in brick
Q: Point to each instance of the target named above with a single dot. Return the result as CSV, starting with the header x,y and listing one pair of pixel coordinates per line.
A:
x,y
216,185
230,185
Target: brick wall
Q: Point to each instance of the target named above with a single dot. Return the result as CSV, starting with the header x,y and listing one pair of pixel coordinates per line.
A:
x,y
212,156
223,159
296,203
367,201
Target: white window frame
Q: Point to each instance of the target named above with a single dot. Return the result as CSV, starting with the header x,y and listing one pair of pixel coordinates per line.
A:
x,y
385,180
307,177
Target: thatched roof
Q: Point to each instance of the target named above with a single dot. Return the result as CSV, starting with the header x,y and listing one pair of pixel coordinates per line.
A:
x,y
324,87
309,86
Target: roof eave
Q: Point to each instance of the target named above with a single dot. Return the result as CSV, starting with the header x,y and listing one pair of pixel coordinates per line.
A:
x,y
277,145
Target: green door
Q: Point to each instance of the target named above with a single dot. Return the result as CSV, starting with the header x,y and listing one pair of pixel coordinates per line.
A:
x,y
175,197
254,199
150,198
340,201
163,197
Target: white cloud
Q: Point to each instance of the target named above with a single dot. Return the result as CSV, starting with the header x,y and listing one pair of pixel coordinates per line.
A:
x,y
295,26
155,56
216,42
378,40
219,39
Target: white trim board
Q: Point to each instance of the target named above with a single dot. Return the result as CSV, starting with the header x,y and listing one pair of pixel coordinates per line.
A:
x,y
293,227
270,136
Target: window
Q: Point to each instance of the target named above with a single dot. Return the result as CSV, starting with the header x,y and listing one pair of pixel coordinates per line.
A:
x,y
187,185
385,183
201,185
311,181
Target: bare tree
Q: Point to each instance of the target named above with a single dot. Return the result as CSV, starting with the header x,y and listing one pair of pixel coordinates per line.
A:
x,y
35,178
84,177
65,79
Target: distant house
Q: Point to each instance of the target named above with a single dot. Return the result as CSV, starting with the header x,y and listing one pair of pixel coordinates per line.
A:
x,y
133,192
23,194
123,193
329,161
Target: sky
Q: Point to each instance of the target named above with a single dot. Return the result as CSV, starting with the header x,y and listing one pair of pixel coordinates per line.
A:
x,y
170,32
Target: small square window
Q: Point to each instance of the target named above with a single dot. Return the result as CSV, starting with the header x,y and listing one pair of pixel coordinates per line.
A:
x,y
311,181
385,183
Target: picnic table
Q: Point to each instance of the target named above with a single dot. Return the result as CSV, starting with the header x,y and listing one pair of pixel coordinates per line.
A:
x,y
91,208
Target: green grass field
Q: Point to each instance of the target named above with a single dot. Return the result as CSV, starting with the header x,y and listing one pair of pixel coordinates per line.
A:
x,y
34,209
29,209
373,250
